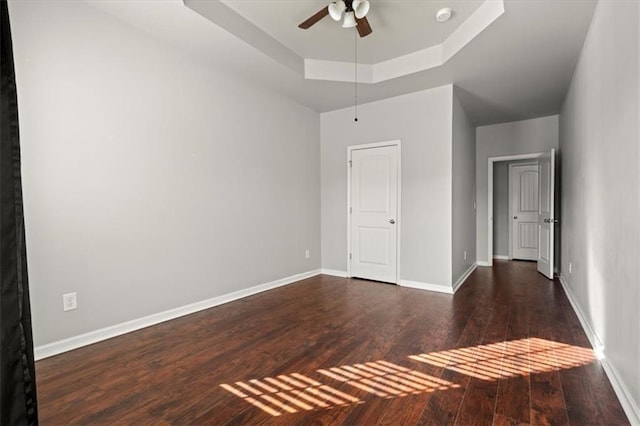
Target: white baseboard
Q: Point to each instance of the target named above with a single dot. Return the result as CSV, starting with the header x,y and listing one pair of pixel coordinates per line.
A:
x,y
595,341
91,337
426,286
631,408
334,273
484,263
464,277
501,257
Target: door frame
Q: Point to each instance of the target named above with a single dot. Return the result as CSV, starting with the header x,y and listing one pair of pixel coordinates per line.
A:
x,y
511,166
492,160
350,149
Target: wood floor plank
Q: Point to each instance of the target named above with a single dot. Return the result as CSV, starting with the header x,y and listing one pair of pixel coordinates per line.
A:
x,y
425,339
479,401
547,397
513,395
505,349
443,407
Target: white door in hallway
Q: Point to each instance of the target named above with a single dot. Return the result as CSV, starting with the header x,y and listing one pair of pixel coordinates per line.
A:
x,y
524,208
546,211
373,214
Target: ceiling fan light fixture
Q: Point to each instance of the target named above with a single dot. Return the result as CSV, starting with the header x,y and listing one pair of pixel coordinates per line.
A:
x,y
349,20
361,8
336,9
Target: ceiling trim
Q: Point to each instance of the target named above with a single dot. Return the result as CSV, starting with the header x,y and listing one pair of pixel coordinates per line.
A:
x,y
425,59
316,69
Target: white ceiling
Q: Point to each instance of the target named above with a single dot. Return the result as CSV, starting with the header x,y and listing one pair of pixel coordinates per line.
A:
x,y
399,27
519,67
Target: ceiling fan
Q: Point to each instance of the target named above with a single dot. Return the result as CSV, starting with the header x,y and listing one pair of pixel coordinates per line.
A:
x,y
355,15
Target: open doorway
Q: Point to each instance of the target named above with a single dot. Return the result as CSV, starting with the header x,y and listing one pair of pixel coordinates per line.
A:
x,y
515,210
539,228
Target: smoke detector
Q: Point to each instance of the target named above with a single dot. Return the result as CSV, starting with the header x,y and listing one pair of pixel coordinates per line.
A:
x,y
443,15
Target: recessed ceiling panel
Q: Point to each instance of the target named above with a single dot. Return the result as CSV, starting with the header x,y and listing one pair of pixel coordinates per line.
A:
x,y
399,27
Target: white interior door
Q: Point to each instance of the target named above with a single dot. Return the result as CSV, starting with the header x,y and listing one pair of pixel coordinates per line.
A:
x,y
374,207
524,196
546,219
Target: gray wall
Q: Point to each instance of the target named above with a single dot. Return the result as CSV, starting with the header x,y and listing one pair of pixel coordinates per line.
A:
x,y
600,140
463,218
519,137
422,121
151,180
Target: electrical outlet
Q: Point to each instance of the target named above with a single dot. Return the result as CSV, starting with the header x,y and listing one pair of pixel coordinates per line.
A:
x,y
69,301
570,267
307,254
465,255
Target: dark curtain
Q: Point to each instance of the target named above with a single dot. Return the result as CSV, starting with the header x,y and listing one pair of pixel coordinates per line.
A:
x,y
17,370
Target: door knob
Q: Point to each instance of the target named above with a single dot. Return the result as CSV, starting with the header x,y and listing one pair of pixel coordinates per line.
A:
x,y
515,217
392,221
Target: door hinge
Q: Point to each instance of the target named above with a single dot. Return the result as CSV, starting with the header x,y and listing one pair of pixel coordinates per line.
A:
x,y
349,256
350,210
350,163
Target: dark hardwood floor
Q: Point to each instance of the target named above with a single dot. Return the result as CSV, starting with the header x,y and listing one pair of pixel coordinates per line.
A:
x,y
506,349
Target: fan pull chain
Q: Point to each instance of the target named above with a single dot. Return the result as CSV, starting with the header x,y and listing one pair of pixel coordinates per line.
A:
x,y
355,80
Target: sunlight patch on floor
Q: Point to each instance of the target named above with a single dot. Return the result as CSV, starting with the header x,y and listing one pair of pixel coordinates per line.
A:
x,y
510,358
289,394
385,379
296,392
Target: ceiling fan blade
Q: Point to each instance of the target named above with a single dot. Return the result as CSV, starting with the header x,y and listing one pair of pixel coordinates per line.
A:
x,y
364,29
315,18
